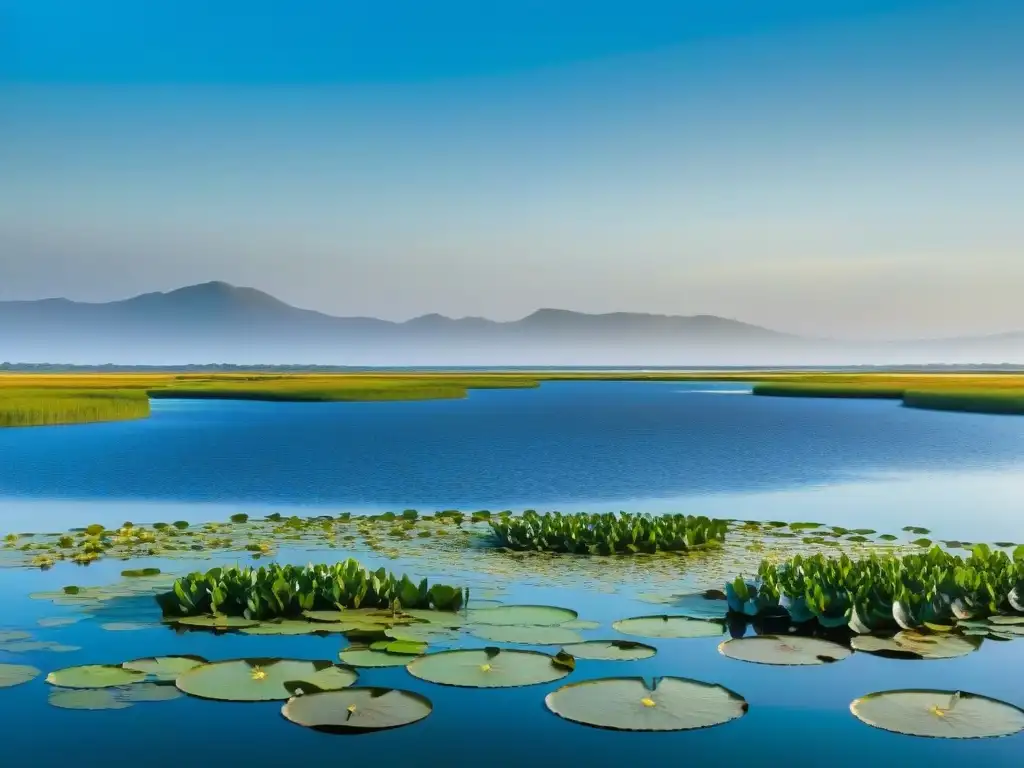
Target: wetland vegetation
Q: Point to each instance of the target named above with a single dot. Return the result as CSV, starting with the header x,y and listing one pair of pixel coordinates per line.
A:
x,y
35,399
816,596
608,533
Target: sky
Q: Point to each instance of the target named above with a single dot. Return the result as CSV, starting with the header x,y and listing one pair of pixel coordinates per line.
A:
x,y
851,168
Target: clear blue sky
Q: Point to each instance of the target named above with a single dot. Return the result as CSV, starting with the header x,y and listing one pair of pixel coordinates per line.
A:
x,y
853,167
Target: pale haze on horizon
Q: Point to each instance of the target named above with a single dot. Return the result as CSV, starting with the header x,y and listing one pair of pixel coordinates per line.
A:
x,y
856,172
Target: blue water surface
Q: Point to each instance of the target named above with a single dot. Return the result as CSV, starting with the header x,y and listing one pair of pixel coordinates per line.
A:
x,y
709,448
655,446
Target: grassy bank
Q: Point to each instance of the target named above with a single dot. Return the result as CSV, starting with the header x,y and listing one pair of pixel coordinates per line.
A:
x,y
28,399
881,392
33,408
998,397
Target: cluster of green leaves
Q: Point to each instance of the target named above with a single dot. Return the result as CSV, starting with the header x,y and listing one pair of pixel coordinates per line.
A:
x,y
914,590
282,591
609,533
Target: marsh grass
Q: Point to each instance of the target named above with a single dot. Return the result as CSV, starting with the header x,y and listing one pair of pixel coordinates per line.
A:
x,y
868,391
44,407
1001,395
28,399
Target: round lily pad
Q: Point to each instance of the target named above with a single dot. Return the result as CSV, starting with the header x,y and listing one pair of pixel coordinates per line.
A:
x,y
216,622
610,650
581,625
286,627
487,668
357,710
147,692
420,633
31,646
367,657
94,676
527,635
784,651
939,714
16,674
669,627
401,647
164,669
914,645
446,619
95,699
263,679
522,615
631,704
125,626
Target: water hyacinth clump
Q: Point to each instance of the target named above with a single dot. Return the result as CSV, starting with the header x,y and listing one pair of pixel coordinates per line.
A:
x,y
933,590
608,533
283,591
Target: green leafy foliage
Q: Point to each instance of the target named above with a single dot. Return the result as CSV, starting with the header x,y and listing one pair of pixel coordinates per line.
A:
x,y
607,534
283,591
934,588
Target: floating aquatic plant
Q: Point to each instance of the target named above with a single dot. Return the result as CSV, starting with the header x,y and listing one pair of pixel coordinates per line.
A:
x,y
939,714
633,704
790,650
16,674
489,668
263,679
608,533
356,710
280,591
669,627
933,589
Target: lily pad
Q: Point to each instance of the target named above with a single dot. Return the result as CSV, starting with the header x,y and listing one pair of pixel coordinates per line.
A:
x,y
1006,620
367,657
216,622
420,633
164,669
94,676
446,619
522,615
401,647
53,622
126,626
147,692
527,635
910,644
581,625
32,646
13,637
16,674
263,679
93,700
631,704
939,714
487,668
357,710
287,627
669,627
793,650
610,650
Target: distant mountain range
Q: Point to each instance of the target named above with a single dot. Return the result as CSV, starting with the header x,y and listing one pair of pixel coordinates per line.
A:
x,y
220,323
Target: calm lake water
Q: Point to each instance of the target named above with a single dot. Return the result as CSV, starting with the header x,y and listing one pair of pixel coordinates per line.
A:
x,y
708,449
